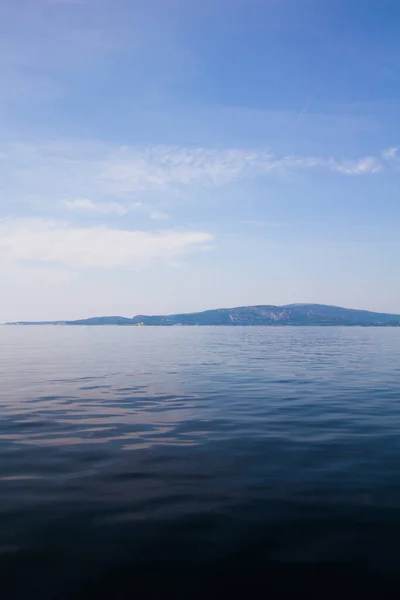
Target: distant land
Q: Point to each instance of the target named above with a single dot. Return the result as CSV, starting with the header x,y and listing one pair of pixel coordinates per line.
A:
x,y
291,314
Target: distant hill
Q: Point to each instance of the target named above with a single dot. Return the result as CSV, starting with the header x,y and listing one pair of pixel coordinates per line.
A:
x,y
291,314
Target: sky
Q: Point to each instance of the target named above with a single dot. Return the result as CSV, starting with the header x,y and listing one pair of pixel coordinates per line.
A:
x,y
161,156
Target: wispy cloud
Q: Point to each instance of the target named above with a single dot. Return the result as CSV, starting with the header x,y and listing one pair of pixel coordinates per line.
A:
x,y
110,179
103,208
158,167
363,166
85,205
59,243
392,157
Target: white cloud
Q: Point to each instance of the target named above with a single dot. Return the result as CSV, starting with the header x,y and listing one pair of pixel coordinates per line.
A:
x,y
158,167
392,157
53,242
368,164
103,179
87,205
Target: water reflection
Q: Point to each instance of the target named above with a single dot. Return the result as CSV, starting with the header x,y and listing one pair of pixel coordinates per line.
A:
x,y
141,415
173,449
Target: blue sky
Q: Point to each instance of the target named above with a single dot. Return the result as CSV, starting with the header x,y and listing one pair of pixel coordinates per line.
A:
x,y
175,155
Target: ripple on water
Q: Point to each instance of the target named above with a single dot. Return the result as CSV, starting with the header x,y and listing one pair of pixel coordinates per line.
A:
x,y
134,450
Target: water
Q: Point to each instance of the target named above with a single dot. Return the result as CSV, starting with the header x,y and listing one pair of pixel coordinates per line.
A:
x,y
167,462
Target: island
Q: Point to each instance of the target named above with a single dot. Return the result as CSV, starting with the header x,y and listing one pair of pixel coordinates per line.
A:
x,y
261,315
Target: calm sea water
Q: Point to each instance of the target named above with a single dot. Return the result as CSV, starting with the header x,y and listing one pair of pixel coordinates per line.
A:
x,y
157,462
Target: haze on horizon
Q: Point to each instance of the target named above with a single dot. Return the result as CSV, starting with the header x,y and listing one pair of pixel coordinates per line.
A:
x,y
161,156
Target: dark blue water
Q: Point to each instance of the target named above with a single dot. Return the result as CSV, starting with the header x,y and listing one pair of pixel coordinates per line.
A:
x,y
166,462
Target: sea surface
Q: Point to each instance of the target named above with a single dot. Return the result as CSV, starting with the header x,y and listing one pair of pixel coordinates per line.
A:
x,y
199,461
